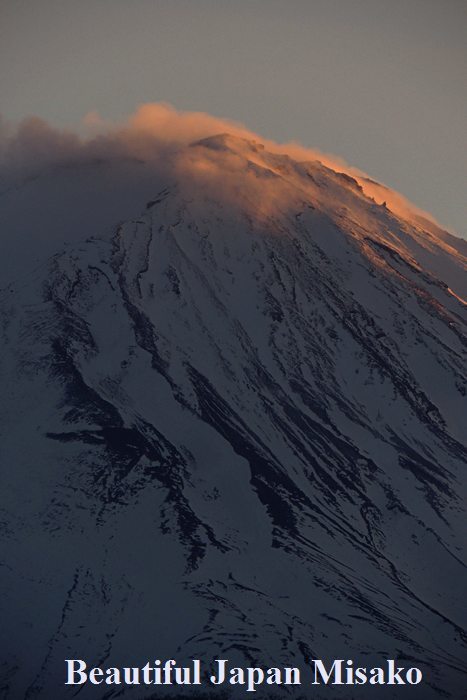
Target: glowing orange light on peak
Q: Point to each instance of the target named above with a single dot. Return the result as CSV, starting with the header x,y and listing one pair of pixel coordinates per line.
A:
x,y
231,156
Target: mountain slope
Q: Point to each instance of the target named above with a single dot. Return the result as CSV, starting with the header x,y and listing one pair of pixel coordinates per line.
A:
x,y
233,429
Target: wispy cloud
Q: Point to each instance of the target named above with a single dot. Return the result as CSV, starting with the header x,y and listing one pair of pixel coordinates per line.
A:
x,y
160,135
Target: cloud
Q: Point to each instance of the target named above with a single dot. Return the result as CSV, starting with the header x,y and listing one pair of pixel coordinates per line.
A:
x,y
160,135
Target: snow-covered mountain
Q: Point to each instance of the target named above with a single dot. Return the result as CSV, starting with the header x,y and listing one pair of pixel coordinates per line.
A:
x,y
232,428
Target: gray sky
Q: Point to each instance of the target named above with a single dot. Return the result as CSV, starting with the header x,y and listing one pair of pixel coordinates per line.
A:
x,y
382,84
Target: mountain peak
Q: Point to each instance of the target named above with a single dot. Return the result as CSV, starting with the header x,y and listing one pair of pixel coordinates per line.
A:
x,y
266,397
229,142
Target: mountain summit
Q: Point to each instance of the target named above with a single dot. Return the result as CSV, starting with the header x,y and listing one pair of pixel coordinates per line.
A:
x,y
232,428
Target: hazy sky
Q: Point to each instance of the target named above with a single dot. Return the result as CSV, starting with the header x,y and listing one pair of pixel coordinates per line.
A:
x,y
382,84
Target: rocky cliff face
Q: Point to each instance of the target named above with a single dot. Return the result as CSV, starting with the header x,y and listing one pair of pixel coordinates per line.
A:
x,y
233,429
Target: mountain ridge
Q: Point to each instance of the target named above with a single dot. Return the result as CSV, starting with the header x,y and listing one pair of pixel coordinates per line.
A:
x,y
260,379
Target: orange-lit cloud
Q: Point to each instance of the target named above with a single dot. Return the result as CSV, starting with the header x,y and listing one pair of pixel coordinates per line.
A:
x,y
160,134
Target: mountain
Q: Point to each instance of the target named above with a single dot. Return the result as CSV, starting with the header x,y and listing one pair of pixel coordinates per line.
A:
x,y
232,427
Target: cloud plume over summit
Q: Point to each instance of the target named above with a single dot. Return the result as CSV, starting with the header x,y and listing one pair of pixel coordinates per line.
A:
x,y
159,135
58,186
